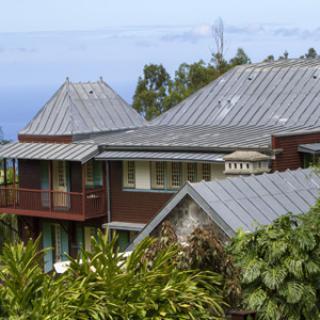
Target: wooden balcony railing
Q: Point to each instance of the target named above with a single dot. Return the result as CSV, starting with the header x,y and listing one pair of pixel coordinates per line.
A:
x,y
53,204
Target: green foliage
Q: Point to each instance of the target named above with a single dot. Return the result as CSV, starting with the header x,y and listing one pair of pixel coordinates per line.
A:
x,y
156,92
280,266
105,285
151,95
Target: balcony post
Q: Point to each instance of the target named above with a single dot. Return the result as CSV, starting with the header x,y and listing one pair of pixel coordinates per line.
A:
x,y
83,190
14,182
50,184
5,180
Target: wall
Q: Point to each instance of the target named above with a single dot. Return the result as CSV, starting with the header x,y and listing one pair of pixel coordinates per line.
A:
x,y
290,158
143,177
30,174
186,217
133,206
217,171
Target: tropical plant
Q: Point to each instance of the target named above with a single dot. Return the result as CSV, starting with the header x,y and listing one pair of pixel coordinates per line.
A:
x,y
280,266
104,284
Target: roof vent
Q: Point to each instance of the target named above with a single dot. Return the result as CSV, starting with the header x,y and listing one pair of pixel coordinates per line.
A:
x,y
314,77
249,78
91,92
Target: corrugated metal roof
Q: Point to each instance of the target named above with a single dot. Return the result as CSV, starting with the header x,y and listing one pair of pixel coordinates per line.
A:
x,y
245,202
218,138
79,108
49,151
313,148
163,156
119,225
282,93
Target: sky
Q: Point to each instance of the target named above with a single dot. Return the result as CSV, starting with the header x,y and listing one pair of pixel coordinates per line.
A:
x,y
43,42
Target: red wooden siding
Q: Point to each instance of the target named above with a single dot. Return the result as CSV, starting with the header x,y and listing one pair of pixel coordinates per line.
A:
x,y
132,206
29,174
290,158
44,139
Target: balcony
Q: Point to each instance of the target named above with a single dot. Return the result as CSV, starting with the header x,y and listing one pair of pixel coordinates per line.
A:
x,y
53,204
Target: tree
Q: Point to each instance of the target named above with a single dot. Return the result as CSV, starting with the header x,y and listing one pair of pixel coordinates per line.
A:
x,y
104,284
280,266
311,54
218,56
151,95
240,58
284,56
269,58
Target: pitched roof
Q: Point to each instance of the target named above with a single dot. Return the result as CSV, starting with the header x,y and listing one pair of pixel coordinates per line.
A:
x,y
163,156
245,202
49,151
79,108
246,155
282,93
217,138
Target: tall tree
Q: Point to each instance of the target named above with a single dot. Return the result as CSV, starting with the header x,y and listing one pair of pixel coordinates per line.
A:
x,y
240,58
218,56
151,95
311,54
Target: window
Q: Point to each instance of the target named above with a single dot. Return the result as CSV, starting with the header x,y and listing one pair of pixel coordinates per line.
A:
x,y
61,174
235,166
206,171
241,166
192,172
89,174
248,166
129,174
158,175
230,165
176,174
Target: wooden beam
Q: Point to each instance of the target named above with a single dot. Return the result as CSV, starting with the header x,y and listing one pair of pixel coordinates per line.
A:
x,y
50,184
83,190
5,178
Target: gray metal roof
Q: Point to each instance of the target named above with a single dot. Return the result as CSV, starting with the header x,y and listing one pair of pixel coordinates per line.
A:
x,y
313,148
163,156
119,225
218,138
79,108
49,151
285,93
245,202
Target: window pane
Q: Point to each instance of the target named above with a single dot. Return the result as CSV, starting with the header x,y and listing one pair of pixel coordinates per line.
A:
x,y
192,172
206,172
131,173
176,174
160,173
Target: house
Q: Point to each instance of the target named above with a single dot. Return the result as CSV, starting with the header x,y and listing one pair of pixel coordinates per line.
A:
x,y
87,158
236,203
58,189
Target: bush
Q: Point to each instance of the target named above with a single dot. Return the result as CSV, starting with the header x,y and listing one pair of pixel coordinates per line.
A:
x,y
280,266
106,285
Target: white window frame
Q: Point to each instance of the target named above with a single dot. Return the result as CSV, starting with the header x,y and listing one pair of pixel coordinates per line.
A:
x,y
127,167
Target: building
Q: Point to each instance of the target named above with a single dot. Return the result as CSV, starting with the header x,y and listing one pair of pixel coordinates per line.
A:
x,y
236,203
87,158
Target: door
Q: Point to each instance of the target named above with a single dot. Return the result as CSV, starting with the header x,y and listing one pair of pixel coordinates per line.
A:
x,y
55,237
60,184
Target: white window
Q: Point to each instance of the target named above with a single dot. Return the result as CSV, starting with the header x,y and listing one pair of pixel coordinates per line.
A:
x,y
176,175
206,172
89,173
129,174
158,175
192,172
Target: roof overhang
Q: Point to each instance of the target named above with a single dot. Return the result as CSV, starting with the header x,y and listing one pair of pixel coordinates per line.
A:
x,y
311,148
162,156
125,226
49,151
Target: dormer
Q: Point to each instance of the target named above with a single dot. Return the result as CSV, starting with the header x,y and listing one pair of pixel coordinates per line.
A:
x,y
246,162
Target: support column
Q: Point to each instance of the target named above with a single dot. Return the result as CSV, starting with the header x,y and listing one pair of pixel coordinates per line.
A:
x,y
50,184
5,179
83,190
